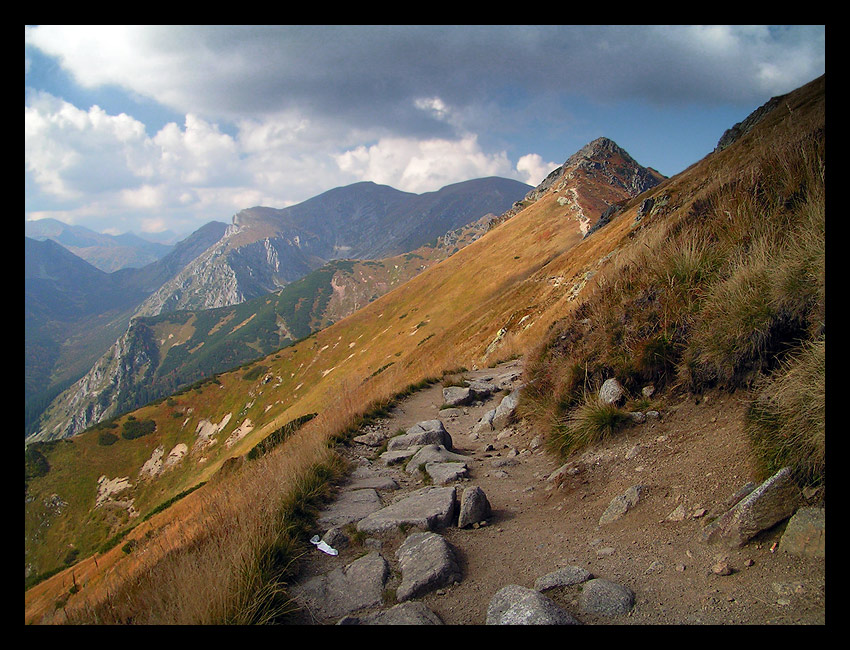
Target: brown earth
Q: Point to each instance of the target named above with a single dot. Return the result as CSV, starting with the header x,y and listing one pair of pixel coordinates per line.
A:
x,y
696,455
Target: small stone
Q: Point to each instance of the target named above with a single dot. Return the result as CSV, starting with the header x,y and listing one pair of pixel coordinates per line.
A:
x,y
699,512
722,568
748,562
680,567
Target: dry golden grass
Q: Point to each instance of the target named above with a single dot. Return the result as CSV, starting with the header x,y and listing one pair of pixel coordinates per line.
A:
x,y
717,292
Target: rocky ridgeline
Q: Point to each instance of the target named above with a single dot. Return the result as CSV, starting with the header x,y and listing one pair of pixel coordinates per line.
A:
x,y
384,495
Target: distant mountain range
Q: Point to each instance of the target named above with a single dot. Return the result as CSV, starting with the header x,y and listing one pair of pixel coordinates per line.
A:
x,y
105,252
264,250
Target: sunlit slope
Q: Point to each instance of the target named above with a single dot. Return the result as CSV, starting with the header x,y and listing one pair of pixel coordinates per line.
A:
x,y
511,283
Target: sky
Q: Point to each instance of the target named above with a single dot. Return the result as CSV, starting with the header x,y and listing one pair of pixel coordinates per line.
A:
x,y
148,129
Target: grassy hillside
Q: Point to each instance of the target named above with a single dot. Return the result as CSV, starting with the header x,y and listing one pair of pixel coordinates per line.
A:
x,y
719,282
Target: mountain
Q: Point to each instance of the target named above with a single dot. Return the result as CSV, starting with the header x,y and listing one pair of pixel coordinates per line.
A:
x,y
106,252
74,311
266,248
419,317
711,280
263,250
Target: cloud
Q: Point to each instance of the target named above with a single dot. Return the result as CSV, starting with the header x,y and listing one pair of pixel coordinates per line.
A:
x,y
377,75
423,165
534,168
277,114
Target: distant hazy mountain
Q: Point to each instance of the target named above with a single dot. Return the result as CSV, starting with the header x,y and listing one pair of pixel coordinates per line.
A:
x,y
106,252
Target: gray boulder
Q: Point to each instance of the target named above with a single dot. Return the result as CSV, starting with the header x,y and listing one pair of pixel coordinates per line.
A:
x,y
570,575
805,533
516,605
612,392
429,432
412,612
505,411
600,596
433,454
430,508
345,590
350,506
457,396
773,501
427,562
442,473
474,507
621,504
485,424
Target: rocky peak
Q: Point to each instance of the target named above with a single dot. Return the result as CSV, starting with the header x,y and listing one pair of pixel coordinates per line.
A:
x,y
602,158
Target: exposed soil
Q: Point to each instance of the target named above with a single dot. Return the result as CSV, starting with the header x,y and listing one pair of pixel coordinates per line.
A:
x,y
696,455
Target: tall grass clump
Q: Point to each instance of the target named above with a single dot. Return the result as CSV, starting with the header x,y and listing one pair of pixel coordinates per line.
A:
x,y
588,424
786,421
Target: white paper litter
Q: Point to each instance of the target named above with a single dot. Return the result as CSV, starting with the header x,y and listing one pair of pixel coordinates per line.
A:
x,y
322,546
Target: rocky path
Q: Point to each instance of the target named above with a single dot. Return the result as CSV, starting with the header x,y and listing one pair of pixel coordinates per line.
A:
x,y
484,526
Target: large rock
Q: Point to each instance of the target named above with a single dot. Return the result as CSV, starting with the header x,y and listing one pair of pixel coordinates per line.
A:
x,y
412,612
429,432
457,396
516,605
612,392
433,454
474,507
621,504
442,473
773,501
485,424
430,508
564,577
805,533
505,411
345,590
481,388
600,596
427,562
350,506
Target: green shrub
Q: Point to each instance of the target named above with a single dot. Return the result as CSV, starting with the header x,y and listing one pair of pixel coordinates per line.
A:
x,y
106,438
255,372
134,428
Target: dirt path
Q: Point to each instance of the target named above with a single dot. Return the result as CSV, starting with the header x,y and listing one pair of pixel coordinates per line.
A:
x,y
695,456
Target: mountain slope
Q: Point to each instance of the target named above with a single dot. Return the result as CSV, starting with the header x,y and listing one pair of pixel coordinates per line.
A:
x,y
446,315
263,250
502,294
74,312
266,248
161,353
